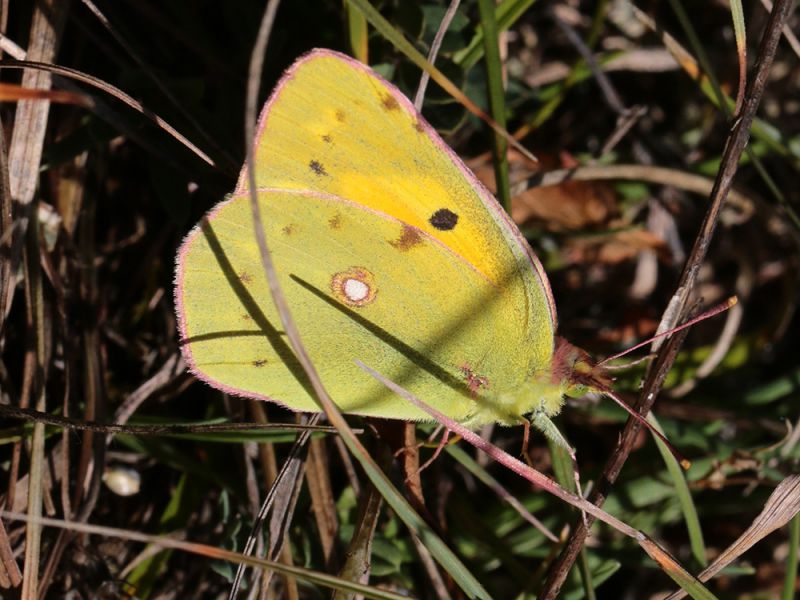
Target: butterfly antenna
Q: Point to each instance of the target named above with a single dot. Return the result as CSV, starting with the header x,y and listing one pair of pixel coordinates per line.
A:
x,y
684,462
628,365
702,317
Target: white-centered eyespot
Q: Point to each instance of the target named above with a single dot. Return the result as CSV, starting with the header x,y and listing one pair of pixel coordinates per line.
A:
x,y
354,286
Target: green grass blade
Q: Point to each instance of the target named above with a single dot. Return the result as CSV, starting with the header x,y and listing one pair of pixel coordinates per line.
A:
x,y
497,103
737,16
357,33
790,581
684,498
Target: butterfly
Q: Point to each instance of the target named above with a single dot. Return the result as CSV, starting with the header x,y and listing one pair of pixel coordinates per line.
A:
x,y
389,251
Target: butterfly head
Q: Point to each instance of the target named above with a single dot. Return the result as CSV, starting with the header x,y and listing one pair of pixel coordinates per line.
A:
x,y
576,371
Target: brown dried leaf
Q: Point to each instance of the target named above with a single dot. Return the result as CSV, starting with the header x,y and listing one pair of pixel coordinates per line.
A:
x,y
615,248
571,205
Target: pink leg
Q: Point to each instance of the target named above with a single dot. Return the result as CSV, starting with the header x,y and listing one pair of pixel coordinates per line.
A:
x,y
439,448
526,437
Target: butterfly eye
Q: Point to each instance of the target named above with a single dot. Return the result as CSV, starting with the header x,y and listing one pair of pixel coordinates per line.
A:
x,y
444,219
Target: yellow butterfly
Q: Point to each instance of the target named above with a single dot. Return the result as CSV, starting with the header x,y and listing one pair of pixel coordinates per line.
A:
x,y
389,251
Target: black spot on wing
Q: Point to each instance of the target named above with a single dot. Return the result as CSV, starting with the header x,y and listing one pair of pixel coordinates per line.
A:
x,y
317,167
444,219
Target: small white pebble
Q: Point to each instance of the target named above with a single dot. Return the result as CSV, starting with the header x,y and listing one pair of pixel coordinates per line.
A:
x,y
123,481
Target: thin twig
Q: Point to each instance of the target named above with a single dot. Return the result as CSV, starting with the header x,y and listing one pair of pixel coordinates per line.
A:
x,y
112,91
437,43
610,94
34,416
212,552
791,38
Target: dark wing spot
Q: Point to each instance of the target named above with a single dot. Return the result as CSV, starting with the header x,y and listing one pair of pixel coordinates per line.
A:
x,y
327,139
335,222
340,115
317,167
419,126
444,219
409,238
245,277
390,103
259,363
289,229
246,317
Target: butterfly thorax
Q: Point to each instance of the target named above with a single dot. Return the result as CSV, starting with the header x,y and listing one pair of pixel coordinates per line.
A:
x,y
571,372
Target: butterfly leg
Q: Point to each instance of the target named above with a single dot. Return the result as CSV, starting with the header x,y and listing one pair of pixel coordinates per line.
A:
x,y
526,438
442,443
431,437
439,447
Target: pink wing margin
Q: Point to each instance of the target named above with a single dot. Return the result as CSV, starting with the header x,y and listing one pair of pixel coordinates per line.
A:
x,y
500,216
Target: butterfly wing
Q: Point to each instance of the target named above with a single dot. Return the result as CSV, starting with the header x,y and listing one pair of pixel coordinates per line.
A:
x,y
389,251
332,125
361,285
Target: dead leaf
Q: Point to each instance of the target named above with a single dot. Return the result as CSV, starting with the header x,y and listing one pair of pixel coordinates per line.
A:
x,y
567,206
615,248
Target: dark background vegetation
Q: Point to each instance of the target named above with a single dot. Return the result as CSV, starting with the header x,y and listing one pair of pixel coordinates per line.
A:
x,y
127,192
